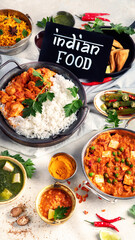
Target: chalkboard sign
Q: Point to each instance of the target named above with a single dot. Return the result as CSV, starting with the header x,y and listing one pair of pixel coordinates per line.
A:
x,y
84,53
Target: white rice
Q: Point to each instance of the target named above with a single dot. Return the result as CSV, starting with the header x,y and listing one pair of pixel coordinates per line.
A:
x,y
52,120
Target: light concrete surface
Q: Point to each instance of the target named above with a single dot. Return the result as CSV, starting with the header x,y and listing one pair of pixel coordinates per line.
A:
x,y
76,228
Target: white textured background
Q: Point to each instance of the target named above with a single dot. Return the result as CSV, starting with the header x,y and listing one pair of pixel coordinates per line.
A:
x,y
122,11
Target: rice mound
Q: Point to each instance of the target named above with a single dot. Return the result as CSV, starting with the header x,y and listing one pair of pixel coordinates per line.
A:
x,y
52,120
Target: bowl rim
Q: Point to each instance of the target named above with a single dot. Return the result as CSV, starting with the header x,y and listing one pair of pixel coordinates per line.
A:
x,y
65,188
13,160
83,168
73,159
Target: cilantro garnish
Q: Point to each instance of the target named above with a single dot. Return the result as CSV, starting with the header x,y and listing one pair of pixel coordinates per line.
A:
x,y
98,26
42,23
112,119
18,39
35,105
132,210
60,212
73,91
28,164
24,33
1,31
17,20
72,107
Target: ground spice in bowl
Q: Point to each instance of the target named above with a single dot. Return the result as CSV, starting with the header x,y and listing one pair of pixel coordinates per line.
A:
x,y
62,166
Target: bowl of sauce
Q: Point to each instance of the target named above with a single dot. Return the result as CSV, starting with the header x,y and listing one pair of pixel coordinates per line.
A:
x,y
39,40
62,167
12,179
54,199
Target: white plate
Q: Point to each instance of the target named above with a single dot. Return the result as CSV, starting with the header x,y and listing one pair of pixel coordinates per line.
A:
x,y
98,102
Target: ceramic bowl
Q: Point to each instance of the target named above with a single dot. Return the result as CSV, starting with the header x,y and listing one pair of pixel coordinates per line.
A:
x,y
61,187
14,161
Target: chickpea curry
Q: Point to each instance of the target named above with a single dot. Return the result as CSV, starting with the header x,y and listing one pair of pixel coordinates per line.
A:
x,y
109,163
23,87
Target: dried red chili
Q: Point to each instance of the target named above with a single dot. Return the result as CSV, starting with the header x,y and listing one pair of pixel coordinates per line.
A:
x,y
109,220
103,224
113,100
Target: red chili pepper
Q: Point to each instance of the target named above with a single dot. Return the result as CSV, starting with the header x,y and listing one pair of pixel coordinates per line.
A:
x,y
97,83
113,100
96,14
132,97
109,220
103,224
92,18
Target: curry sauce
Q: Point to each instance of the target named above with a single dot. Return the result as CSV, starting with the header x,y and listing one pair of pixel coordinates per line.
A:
x,y
109,163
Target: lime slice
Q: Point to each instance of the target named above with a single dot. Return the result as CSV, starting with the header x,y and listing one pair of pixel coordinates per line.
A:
x,y
106,235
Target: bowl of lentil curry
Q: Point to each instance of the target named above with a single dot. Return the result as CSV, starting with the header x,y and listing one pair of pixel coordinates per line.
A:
x,y
15,31
108,162
55,203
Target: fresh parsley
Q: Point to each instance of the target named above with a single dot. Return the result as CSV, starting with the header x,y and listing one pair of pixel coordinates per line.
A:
x,y
132,211
39,83
60,212
72,107
98,26
25,33
112,119
42,23
1,31
28,164
17,20
73,91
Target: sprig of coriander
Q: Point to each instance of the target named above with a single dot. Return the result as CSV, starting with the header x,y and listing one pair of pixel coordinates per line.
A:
x,y
28,164
1,31
35,105
72,107
112,119
98,26
42,23
60,212
73,91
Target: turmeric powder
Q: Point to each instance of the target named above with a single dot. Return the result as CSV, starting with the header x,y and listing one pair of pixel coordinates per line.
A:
x,y
62,166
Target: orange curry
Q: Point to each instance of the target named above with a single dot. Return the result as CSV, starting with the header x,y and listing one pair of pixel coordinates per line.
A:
x,y
53,198
110,163
23,87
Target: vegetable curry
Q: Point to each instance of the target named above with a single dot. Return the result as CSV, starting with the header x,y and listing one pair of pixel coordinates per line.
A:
x,y
109,163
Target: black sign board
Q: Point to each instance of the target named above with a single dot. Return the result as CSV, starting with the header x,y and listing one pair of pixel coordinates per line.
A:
x,y
84,53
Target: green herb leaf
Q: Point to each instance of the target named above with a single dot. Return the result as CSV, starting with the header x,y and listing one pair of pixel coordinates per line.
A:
x,y
73,91
38,83
28,164
98,26
18,39
119,28
60,212
37,74
72,107
132,210
50,95
37,106
17,20
1,31
28,102
112,119
42,23
24,33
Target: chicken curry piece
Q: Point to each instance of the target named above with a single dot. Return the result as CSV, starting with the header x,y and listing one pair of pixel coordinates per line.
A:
x,y
23,87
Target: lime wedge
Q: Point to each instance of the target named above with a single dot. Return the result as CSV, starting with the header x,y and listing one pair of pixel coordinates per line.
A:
x,y
106,235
